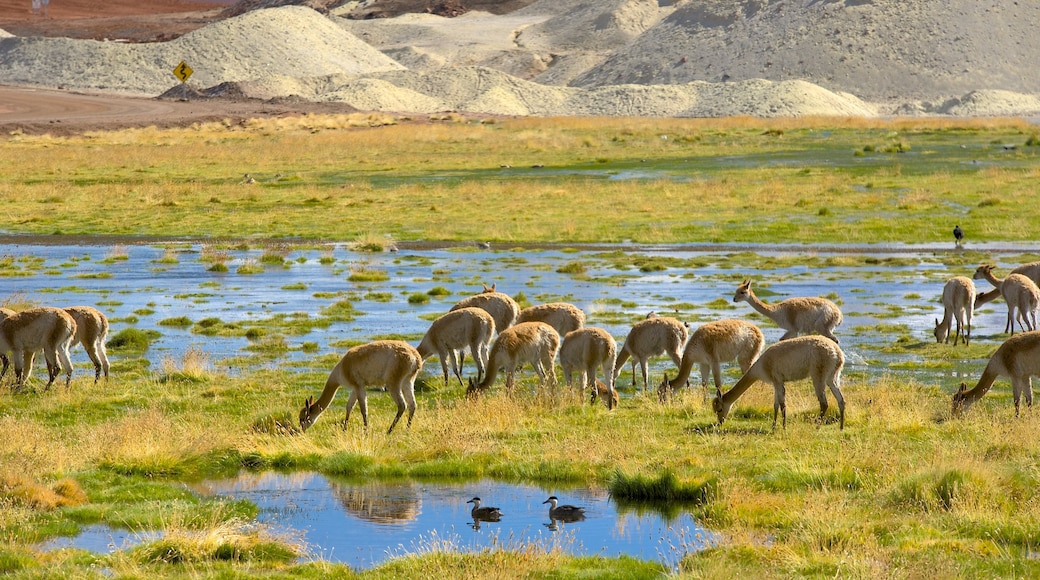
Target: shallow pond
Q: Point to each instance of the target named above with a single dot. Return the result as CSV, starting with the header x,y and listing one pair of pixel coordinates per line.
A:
x,y
887,293
365,523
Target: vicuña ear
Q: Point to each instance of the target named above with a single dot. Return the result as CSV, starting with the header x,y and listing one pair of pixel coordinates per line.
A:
x,y
309,402
718,393
963,388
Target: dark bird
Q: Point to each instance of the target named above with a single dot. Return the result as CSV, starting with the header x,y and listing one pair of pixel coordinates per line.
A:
x,y
565,513
958,235
487,514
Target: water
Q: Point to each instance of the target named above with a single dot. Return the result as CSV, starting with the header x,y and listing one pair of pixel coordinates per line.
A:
x,y
363,524
614,297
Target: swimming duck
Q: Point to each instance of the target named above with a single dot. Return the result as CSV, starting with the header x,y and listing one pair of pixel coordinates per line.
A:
x,y
563,512
484,513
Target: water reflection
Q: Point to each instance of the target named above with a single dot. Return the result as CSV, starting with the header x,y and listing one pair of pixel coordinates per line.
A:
x,y
365,523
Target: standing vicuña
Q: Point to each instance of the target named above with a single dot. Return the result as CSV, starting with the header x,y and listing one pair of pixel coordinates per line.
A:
x,y
800,315
452,333
562,316
530,342
390,363
91,332
1019,292
791,360
958,300
48,329
1030,270
651,337
4,313
586,349
500,306
712,343
1018,358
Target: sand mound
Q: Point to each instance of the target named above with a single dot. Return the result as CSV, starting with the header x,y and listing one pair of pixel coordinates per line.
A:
x,y
487,91
992,103
876,49
290,41
426,42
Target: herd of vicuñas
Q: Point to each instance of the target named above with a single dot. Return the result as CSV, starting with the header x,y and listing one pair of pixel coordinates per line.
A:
x,y
540,334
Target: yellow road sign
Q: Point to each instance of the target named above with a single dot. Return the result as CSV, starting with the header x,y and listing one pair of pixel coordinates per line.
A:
x,y
182,71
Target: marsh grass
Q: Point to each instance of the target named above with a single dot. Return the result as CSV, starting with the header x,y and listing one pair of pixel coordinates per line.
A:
x,y
888,196
362,272
193,366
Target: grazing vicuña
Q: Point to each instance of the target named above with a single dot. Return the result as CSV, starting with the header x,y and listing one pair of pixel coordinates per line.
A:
x,y
391,363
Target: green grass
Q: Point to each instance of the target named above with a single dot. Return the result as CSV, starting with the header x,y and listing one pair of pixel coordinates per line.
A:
x,y
746,181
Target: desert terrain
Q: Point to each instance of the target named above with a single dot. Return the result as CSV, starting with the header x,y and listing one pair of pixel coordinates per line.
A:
x,y
682,58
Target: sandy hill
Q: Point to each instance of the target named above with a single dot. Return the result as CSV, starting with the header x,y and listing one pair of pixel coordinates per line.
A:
x,y
578,57
291,40
875,49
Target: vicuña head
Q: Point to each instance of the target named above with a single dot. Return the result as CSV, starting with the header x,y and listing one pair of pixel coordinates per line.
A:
x,y
721,409
742,291
308,414
489,288
602,391
664,390
960,400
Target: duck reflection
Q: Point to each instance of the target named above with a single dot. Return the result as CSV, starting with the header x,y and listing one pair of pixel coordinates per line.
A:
x,y
382,503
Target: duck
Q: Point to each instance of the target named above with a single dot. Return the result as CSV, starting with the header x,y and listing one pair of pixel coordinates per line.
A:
x,y
563,512
484,513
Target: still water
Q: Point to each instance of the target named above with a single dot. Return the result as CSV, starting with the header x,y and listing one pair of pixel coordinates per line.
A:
x,y
363,524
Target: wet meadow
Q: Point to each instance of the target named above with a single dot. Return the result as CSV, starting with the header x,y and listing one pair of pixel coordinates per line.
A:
x,y
237,263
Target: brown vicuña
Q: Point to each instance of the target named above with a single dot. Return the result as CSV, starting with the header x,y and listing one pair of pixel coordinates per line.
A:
x,y
562,316
799,315
794,359
958,300
1020,293
583,351
500,306
45,328
1019,359
4,313
393,364
91,332
653,336
449,336
529,342
710,345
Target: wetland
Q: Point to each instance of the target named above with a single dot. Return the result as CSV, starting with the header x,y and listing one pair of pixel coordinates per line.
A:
x,y
231,301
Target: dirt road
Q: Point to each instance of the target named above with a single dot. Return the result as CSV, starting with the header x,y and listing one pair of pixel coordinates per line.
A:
x,y
39,111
